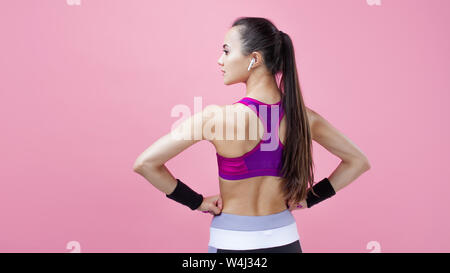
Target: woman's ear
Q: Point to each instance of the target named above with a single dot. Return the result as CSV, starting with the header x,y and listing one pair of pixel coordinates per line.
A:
x,y
258,58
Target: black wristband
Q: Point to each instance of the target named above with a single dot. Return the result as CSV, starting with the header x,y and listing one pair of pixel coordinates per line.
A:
x,y
323,189
186,196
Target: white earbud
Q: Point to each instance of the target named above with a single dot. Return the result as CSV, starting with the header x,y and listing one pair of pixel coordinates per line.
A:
x,y
251,64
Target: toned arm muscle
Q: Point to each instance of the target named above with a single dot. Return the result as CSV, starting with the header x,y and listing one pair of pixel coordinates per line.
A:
x,y
184,135
354,161
151,162
324,133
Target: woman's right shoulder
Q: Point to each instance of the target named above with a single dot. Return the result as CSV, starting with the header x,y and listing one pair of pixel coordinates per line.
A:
x,y
225,109
221,114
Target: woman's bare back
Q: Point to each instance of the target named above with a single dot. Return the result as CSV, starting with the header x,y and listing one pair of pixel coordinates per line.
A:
x,y
261,195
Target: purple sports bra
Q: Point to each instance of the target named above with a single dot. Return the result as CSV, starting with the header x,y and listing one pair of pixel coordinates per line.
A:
x,y
264,159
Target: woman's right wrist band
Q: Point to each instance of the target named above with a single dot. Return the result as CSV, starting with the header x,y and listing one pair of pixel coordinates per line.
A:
x,y
323,189
186,196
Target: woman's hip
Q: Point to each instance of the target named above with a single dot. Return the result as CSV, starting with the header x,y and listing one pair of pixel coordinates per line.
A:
x,y
272,233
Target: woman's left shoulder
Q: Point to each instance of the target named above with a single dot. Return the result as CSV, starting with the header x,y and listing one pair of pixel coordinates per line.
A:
x,y
312,115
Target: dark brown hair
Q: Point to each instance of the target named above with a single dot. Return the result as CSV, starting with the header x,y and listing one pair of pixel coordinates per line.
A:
x,y
260,34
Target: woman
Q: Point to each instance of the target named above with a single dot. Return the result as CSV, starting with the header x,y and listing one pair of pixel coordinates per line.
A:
x,y
259,185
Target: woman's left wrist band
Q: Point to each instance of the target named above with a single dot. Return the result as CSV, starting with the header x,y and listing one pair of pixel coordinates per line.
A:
x,y
186,196
323,189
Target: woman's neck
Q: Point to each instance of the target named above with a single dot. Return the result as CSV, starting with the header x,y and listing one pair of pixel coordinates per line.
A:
x,y
263,87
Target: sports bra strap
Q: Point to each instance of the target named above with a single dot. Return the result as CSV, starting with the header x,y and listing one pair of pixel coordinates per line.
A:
x,y
264,111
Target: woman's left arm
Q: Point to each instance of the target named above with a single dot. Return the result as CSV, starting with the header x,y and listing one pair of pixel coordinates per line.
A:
x,y
150,164
354,162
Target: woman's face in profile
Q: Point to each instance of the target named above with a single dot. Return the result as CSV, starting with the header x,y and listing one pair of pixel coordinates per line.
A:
x,y
232,61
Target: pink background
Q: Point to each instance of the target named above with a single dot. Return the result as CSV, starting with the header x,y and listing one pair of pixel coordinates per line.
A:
x,y
86,88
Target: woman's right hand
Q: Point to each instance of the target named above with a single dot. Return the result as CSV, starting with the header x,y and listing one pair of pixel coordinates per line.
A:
x,y
300,205
211,204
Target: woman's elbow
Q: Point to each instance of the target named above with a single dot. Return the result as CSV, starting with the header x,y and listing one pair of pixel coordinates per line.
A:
x,y
139,165
360,162
136,167
365,163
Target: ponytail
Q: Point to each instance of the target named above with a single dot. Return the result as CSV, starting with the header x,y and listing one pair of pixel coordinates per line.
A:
x,y
298,165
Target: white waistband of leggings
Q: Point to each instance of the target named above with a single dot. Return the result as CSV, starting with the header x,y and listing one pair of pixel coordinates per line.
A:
x,y
238,240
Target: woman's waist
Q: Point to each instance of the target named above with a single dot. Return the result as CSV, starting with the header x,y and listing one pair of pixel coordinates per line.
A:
x,y
278,221
247,207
